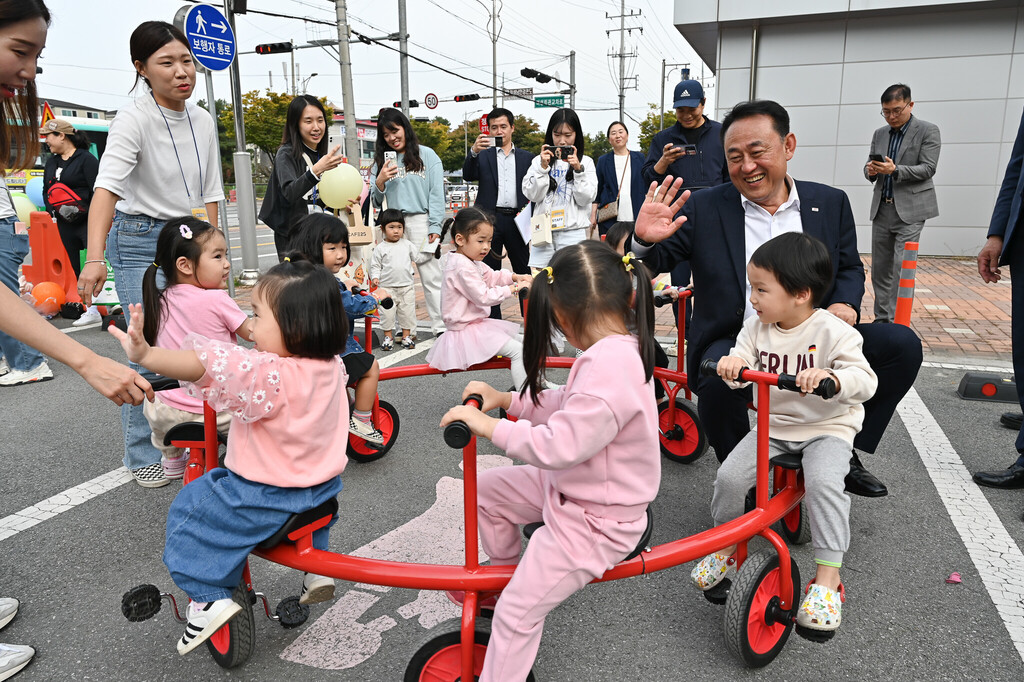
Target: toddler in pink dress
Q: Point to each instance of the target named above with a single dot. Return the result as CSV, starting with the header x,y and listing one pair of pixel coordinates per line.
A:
x,y
468,290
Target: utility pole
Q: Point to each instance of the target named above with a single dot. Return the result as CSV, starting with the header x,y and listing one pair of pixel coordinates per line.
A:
x,y
403,59
622,16
348,98
661,112
243,174
494,53
572,80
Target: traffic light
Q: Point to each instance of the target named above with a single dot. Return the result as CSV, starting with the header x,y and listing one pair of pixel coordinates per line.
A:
x,y
533,73
274,48
466,98
412,104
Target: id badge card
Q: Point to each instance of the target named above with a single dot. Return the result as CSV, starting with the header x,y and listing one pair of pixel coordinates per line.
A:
x,y
558,219
199,209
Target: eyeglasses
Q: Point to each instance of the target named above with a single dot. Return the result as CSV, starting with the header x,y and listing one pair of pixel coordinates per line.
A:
x,y
893,113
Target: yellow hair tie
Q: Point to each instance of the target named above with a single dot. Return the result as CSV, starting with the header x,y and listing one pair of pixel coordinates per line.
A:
x,y
287,259
550,273
626,261
156,266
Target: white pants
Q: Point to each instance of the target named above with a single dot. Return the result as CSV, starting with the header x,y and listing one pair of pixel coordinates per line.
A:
x,y
416,228
513,350
405,307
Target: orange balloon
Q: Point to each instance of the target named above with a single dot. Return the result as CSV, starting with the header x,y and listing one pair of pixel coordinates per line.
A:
x,y
49,297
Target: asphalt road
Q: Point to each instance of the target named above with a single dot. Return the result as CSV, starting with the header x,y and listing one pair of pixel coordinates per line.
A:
x,y
901,620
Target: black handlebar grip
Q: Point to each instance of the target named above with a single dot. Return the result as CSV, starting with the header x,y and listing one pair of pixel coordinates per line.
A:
x,y
826,388
709,368
386,303
457,434
661,300
161,383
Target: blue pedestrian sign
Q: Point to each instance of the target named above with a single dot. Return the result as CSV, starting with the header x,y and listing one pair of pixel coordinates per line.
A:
x,y
210,37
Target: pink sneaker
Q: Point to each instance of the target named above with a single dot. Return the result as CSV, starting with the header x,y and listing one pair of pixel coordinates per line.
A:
x,y
174,467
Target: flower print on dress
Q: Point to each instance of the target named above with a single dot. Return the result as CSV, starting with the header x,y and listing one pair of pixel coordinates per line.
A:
x,y
245,365
259,396
273,377
234,375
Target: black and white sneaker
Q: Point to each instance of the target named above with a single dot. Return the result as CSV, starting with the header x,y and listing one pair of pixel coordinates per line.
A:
x,y
151,476
202,623
316,588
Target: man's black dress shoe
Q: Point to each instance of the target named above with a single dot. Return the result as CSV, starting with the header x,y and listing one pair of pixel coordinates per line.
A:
x,y
1009,478
1012,420
862,482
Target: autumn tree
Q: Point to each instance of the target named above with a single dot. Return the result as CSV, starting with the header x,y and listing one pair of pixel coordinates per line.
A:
x,y
653,124
527,134
597,146
226,140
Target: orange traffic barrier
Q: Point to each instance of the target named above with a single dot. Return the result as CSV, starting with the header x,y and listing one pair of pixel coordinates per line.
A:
x,y
50,261
905,295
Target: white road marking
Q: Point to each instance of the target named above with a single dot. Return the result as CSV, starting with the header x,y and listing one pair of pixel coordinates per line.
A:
x,y
970,367
996,556
14,523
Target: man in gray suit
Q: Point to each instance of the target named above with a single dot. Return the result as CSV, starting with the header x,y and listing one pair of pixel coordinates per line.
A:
x,y
902,161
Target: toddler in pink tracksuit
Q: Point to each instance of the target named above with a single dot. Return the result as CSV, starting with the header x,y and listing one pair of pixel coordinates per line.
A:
x,y
468,291
592,460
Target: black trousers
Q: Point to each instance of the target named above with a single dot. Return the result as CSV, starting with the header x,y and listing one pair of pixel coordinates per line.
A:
x,y
508,240
75,238
1015,256
892,350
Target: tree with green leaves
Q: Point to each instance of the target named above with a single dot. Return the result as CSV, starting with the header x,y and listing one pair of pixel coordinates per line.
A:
x,y
653,124
264,118
597,146
226,142
527,134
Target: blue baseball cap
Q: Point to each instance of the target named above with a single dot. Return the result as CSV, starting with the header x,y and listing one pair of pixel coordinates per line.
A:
x,y
687,94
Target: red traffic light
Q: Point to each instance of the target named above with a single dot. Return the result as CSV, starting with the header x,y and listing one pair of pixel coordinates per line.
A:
x,y
412,104
273,48
466,98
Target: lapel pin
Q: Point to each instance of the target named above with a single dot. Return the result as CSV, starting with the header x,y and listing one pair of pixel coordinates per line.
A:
x,y
814,209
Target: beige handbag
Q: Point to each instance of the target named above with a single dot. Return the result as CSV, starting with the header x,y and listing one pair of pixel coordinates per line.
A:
x,y
540,228
610,210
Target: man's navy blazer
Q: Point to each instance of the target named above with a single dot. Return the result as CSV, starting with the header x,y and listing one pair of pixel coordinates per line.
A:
x,y
1007,211
484,169
713,240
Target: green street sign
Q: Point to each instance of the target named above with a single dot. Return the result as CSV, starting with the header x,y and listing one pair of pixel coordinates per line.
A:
x,y
556,102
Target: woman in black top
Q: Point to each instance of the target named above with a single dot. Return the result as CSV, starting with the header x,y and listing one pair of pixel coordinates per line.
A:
x,y
73,165
301,159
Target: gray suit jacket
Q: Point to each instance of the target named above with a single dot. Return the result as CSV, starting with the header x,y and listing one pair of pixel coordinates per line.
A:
x,y
913,191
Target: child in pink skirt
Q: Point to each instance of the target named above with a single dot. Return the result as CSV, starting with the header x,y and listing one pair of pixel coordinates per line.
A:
x,y
593,463
468,291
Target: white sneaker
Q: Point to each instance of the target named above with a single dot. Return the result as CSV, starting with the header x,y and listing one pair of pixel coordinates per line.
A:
x,y
4,367
673,350
316,588
16,377
14,657
151,476
202,623
8,609
365,431
90,318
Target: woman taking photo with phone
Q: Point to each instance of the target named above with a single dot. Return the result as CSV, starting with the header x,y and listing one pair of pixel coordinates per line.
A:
x,y
160,163
300,161
562,183
410,178
620,186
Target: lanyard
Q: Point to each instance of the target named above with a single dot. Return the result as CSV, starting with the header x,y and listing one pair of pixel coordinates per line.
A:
x,y
195,144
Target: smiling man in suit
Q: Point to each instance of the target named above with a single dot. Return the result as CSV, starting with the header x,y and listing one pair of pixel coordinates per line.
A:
x,y
723,226
500,171
902,161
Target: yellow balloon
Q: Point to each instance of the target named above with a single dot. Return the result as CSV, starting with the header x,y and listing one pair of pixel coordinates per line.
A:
x,y
340,185
23,206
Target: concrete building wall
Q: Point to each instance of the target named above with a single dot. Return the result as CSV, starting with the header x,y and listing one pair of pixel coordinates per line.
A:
x,y
964,64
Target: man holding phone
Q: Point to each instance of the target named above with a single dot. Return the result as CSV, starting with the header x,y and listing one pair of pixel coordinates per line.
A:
x,y
499,168
692,150
902,160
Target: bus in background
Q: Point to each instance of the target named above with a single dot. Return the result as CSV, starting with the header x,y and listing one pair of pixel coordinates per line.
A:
x,y
95,128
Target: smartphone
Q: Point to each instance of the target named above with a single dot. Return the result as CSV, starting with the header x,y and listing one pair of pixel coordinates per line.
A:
x,y
563,152
393,157
499,141
331,143
876,157
688,149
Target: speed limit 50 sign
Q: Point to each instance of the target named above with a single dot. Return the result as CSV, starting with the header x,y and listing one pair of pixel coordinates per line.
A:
x,y
430,100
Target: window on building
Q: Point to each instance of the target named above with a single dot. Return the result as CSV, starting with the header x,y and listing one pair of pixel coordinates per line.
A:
x,y
68,112
92,114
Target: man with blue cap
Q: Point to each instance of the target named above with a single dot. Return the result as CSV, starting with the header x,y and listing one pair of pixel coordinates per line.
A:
x,y
692,150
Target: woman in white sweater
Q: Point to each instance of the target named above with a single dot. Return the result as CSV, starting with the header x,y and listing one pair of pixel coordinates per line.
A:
x,y
160,163
562,183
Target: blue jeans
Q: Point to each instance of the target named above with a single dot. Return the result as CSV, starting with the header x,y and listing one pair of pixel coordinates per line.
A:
x,y
131,248
13,249
219,518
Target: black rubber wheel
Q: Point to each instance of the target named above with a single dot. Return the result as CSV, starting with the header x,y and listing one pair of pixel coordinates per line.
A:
x,y
141,603
233,644
683,440
388,423
440,659
795,526
751,632
290,613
